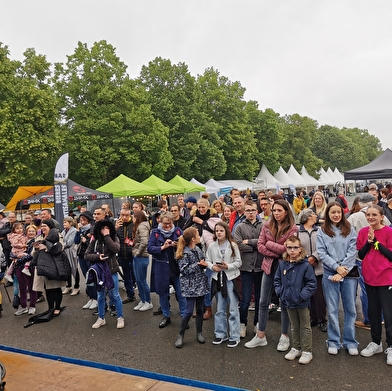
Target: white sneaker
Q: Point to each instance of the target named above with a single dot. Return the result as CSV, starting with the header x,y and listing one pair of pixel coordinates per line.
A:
x,y
371,349
242,330
353,352
87,305
146,306
9,278
306,358
100,322
120,323
31,310
94,305
256,341
388,352
21,311
293,354
332,350
172,290
26,271
284,343
140,305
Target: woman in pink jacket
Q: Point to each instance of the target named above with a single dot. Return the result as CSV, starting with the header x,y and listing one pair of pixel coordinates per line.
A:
x,y
271,241
374,244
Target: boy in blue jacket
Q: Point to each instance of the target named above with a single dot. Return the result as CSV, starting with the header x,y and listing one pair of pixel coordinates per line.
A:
x,y
295,283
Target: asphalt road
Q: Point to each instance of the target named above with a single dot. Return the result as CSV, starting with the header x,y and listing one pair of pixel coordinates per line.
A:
x,y
142,345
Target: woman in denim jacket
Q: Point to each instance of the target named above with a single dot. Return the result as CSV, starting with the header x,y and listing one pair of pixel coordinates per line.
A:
x,y
336,247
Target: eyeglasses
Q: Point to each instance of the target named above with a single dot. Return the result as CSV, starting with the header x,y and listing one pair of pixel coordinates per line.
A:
x,y
166,223
250,210
289,248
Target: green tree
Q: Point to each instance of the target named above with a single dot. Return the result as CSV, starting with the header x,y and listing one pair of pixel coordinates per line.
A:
x,y
175,101
29,130
223,102
337,149
108,123
268,135
298,135
369,143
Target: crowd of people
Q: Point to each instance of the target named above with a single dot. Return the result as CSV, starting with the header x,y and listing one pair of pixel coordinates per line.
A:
x,y
242,252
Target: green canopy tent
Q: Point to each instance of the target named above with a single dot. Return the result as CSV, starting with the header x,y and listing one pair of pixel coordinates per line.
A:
x,y
161,186
122,186
187,187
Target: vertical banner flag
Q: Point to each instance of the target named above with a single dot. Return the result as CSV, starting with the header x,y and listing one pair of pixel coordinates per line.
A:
x,y
61,188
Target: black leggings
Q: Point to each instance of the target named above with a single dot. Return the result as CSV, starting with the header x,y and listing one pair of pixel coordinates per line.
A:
x,y
77,280
54,297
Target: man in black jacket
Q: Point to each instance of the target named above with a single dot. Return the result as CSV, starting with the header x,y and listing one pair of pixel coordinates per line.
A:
x,y
178,220
124,227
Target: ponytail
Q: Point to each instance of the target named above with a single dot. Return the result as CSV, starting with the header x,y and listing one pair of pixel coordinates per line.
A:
x,y
180,247
185,240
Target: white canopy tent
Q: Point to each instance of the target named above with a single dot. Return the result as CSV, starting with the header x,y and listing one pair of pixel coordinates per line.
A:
x,y
282,176
325,178
240,184
209,189
265,180
311,181
296,177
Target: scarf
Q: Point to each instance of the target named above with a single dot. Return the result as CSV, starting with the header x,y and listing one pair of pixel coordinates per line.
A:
x,y
166,234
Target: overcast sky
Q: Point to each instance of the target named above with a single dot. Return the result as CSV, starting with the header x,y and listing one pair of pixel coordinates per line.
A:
x,y
330,60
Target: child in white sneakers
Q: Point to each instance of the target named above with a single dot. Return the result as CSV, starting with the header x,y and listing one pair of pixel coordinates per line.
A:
x,y
295,283
18,241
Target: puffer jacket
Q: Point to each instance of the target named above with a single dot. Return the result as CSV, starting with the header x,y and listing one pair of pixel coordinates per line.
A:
x,y
108,245
141,239
295,283
193,279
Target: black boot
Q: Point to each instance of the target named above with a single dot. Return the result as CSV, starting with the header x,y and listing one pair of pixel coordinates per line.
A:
x,y
199,328
200,338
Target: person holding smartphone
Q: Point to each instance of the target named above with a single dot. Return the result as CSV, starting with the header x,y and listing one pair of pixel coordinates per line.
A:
x,y
103,248
224,259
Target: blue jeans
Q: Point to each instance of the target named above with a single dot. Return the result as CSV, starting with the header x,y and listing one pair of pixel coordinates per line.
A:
x,y
126,265
114,297
234,314
140,265
164,298
249,280
267,286
363,295
332,293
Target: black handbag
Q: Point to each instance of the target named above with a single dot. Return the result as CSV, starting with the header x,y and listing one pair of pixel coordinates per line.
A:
x,y
353,273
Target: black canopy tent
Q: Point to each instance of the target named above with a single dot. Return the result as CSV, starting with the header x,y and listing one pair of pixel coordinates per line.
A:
x,y
76,192
379,168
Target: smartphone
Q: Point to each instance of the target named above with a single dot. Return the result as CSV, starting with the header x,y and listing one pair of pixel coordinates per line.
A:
x,y
218,263
105,257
